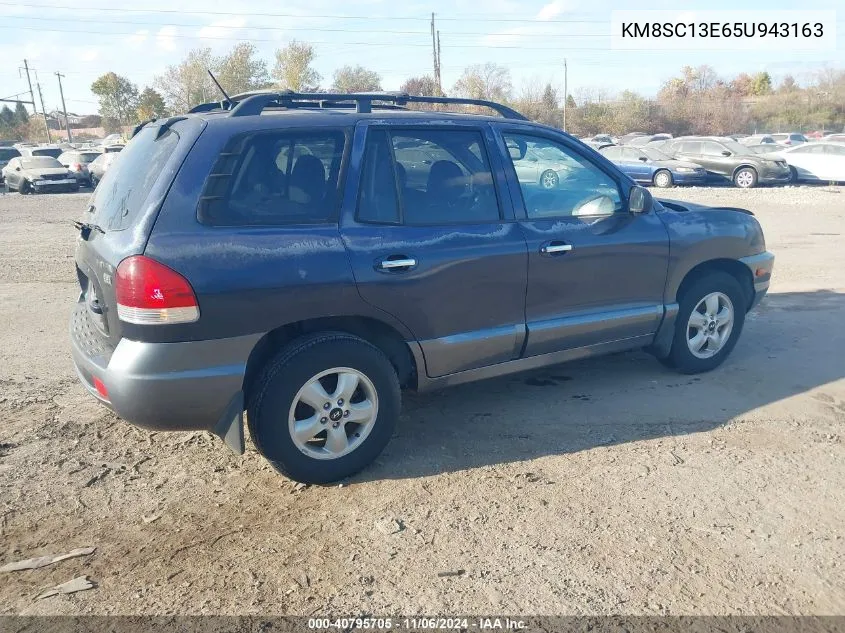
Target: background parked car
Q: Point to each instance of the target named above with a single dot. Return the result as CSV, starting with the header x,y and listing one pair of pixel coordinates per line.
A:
x,y
53,151
820,161
7,154
641,141
793,138
626,138
724,157
38,174
835,137
758,139
650,165
77,161
100,166
540,166
765,148
112,149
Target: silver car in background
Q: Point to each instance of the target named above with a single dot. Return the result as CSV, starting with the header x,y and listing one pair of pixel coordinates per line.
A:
x,y
78,161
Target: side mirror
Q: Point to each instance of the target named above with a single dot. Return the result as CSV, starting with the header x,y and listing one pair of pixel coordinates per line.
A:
x,y
644,159
726,153
17,168
639,200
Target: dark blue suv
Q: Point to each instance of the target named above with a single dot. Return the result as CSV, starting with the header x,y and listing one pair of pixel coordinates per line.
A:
x,y
304,257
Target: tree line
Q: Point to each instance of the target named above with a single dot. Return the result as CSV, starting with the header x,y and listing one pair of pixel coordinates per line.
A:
x,y
696,101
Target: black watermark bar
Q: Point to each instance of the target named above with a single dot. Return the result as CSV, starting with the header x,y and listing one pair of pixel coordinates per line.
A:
x,y
422,623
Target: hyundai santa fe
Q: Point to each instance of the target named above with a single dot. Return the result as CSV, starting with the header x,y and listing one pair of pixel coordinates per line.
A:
x,y
302,258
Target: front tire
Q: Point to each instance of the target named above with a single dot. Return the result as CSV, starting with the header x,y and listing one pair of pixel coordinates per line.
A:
x,y
663,179
549,179
745,178
793,175
324,407
708,324
24,188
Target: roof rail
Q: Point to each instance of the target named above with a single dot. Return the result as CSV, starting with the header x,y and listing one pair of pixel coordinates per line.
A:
x,y
252,103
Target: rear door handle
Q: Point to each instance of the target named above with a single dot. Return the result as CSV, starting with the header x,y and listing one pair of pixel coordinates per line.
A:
x,y
555,247
396,263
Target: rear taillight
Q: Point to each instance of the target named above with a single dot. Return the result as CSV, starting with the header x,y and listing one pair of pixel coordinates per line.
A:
x,y
150,293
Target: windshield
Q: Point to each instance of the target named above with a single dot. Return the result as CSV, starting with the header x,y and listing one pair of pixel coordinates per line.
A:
x,y
54,152
655,154
736,148
130,178
40,162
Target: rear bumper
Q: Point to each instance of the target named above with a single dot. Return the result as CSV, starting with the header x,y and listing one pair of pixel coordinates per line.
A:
x,y
167,386
761,266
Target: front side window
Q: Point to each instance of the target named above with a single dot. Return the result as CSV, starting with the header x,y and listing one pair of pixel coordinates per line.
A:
x,y
426,177
612,153
632,155
275,178
567,183
713,149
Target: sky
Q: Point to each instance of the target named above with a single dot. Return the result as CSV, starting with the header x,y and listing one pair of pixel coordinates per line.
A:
x,y
532,38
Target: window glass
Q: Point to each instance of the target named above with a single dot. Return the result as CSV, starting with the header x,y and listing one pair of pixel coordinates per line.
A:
x,y
713,149
563,183
836,150
612,153
444,177
631,155
690,147
282,178
7,153
808,149
378,201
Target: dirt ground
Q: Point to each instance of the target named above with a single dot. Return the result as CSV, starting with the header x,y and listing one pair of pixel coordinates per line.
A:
x,y
604,486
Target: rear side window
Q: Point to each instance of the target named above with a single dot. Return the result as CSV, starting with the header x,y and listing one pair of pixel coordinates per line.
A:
x,y
125,186
437,177
275,178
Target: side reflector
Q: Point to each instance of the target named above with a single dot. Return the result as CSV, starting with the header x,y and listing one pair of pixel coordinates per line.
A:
x,y
101,388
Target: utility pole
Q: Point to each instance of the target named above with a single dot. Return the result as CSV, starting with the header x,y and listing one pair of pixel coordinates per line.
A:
x,y
439,87
565,92
435,55
43,110
29,81
64,108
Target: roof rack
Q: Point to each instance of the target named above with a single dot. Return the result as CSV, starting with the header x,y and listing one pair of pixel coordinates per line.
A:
x,y
252,103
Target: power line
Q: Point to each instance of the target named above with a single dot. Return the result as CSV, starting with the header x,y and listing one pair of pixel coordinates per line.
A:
x,y
328,43
299,15
299,28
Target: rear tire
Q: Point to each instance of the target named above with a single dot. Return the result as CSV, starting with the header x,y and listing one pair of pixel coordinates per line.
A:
x,y
663,179
689,355
745,178
278,406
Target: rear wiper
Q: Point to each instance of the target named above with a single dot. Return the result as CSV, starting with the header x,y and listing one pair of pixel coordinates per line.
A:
x,y
85,228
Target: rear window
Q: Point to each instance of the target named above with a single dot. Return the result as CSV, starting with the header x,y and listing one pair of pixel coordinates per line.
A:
x,y
89,157
40,162
125,186
275,178
8,153
53,152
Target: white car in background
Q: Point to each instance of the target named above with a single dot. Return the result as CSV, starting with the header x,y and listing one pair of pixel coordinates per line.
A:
x,y
818,162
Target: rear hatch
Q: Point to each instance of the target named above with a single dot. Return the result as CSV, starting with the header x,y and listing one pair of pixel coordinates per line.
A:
x,y
120,216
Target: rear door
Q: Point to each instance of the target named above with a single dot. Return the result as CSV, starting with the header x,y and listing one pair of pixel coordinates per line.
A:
x,y
435,244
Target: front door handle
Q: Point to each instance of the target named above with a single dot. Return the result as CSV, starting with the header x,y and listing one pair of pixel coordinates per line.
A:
x,y
555,247
396,263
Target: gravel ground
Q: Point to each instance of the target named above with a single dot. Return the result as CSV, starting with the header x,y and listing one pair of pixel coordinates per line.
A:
x,y
604,486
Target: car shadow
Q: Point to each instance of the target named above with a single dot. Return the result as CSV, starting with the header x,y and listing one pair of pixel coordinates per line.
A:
x,y
792,343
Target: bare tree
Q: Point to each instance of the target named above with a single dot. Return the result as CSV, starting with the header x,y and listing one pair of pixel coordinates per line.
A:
x,y
485,81
420,86
294,68
356,79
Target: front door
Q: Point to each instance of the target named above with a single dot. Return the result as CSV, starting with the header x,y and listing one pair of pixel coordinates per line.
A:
x,y
430,244
596,272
